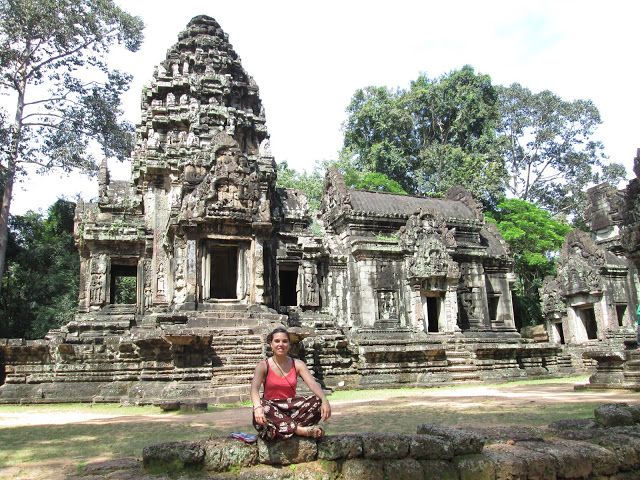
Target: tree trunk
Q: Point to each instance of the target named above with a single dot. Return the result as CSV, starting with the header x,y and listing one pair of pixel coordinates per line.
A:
x,y
7,194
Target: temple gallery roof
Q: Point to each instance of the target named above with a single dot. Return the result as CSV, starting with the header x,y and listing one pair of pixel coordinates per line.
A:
x,y
392,204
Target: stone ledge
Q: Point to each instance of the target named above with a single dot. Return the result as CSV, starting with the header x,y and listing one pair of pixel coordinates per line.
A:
x,y
580,449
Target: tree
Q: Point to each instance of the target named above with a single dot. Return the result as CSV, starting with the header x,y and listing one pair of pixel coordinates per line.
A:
x,y
436,134
53,61
311,184
534,238
549,149
40,287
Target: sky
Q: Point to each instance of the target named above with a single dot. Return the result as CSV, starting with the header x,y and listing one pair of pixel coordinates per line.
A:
x,y
308,59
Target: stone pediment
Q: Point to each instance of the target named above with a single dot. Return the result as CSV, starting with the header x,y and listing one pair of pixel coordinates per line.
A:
x,y
428,242
580,264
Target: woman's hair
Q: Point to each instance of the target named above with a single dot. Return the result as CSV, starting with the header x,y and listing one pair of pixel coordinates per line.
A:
x,y
277,330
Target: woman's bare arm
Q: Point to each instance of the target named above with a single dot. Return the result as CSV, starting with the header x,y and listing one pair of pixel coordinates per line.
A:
x,y
258,379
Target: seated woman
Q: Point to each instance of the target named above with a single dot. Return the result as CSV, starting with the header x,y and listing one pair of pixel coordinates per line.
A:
x,y
280,413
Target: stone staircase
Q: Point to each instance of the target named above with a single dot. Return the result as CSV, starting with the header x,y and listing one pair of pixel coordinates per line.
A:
x,y
461,366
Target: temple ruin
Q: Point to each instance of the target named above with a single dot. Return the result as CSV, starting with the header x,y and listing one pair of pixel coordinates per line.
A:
x,y
185,267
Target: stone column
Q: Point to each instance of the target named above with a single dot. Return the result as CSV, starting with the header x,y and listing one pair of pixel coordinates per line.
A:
x,y
257,295
191,274
415,299
451,308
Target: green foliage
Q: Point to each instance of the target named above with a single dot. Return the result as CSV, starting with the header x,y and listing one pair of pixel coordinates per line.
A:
x,y
125,290
53,61
436,134
534,238
549,149
40,287
311,184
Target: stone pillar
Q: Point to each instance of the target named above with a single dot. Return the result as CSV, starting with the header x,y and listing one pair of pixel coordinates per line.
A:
x,y
418,316
451,308
257,295
191,276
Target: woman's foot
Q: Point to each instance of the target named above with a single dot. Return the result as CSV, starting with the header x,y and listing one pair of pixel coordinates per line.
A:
x,y
314,431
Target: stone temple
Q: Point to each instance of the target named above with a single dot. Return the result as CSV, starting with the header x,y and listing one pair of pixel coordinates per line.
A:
x,y
185,267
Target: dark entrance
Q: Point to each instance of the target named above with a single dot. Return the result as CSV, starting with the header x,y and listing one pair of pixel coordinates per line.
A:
x,y
224,272
493,302
124,284
433,314
2,372
560,331
288,287
588,317
620,311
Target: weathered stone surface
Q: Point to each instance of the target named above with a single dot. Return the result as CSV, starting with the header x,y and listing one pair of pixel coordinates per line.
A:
x,y
362,469
439,470
475,467
193,407
173,456
333,447
403,469
168,406
603,460
568,462
614,415
430,447
385,445
464,442
266,472
305,471
285,452
508,465
626,448
222,454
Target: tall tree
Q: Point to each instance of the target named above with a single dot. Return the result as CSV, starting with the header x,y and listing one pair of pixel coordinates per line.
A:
x,y
40,287
431,136
534,237
550,150
53,62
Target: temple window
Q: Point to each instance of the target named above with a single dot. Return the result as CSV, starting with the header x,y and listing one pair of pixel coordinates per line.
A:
x,y
124,284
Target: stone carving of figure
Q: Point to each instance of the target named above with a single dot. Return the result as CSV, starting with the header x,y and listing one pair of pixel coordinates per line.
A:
x,y
265,148
160,284
98,273
171,99
152,139
387,305
184,99
192,140
175,69
182,137
185,67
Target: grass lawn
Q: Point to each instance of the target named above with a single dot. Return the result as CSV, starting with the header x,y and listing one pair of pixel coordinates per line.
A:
x,y
127,430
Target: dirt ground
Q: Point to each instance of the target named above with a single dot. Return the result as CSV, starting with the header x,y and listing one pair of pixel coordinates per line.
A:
x,y
472,406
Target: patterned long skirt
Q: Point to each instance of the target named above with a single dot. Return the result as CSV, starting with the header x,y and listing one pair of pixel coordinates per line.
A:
x,y
283,416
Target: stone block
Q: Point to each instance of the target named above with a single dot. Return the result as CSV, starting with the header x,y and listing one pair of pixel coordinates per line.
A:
x,y
430,447
304,471
362,469
336,447
223,454
385,445
173,456
439,470
285,452
475,467
266,472
464,442
568,461
635,412
192,407
403,469
508,464
625,448
614,415
603,461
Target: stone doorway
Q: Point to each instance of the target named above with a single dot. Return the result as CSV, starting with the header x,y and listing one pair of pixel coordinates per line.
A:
x,y
124,284
557,333
2,371
224,272
621,311
288,282
587,317
433,307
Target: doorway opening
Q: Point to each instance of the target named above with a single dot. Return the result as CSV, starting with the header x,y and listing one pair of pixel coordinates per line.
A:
x,y
558,332
493,302
620,312
288,279
433,307
224,272
124,284
588,317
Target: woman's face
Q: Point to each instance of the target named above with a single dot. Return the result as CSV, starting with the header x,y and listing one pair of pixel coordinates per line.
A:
x,y
280,344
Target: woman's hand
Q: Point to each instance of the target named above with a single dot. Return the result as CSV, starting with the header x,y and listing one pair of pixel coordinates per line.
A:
x,y
325,410
258,413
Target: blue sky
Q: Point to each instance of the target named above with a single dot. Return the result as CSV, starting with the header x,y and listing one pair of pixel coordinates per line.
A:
x,y
309,57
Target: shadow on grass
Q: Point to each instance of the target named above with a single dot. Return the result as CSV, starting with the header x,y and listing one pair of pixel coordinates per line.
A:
x,y
79,442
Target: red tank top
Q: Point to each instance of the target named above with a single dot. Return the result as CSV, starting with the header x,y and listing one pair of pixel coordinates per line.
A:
x,y
277,387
